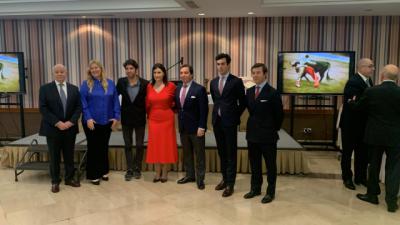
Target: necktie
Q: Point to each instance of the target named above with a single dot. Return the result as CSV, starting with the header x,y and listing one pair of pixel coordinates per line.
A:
x,y
183,94
257,92
63,98
221,85
367,81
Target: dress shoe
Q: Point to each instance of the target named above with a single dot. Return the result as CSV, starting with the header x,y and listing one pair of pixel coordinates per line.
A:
x,y
228,191
96,182
55,188
392,207
137,174
267,199
72,183
349,184
185,180
373,199
252,194
163,180
128,175
105,178
155,180
201,185
220,186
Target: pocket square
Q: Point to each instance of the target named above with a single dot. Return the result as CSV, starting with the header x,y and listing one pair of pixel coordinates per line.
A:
x,y
263,100
192,96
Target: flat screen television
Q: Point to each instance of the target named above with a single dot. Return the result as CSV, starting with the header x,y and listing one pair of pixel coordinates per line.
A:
x,y
12,72
314,73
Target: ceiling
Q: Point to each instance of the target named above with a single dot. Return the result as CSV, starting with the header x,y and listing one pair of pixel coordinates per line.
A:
x,y
191,8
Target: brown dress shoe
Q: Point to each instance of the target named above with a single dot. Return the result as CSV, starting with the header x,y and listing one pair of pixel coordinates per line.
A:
x,y
228,191
72,183
55,188
220,186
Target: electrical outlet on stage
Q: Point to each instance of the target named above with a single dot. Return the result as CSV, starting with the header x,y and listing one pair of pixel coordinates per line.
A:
x,y
307,130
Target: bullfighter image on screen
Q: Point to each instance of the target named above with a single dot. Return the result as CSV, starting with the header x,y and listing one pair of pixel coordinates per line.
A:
x,y
12,72
314,72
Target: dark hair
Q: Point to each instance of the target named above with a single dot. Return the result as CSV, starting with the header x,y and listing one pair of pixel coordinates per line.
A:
x,y
188,66
162,68
264,67
131,62
223,55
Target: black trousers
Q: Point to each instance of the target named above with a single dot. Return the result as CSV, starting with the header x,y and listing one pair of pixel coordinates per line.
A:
x,y
226,138
392,171
350,144
64,143
97,150
256,152
194,146
133,163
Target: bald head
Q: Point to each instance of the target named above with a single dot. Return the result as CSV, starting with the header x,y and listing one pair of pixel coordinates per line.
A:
x,y
390,72
59,72
366,67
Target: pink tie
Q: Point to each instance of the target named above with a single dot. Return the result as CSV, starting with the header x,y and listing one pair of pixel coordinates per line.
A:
x,y
221,85
183,94
257,92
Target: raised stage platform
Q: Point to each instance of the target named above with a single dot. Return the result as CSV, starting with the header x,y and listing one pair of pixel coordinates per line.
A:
x,y
290,158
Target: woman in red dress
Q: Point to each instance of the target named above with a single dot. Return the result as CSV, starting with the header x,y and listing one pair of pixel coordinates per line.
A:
x,y
161,148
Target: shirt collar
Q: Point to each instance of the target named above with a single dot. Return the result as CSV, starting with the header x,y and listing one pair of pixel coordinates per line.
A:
x,y
262,84
223,75
363,77
58,83
390,81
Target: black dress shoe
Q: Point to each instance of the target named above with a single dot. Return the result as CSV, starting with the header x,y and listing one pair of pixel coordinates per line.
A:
x,y
128,175
392,207
201,185
228,191
105,178
267,199
252,194
185,180
163,180
96,182
220,186
137,174
72,183
368,198
349,184
155,180
55,188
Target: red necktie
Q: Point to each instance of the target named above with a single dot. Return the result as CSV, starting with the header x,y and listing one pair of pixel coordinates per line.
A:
x,y
221,85
183,94
257,92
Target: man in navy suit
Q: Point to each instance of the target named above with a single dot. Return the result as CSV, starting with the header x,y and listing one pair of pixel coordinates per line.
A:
x,y
192,104
60,106
227,92
265,120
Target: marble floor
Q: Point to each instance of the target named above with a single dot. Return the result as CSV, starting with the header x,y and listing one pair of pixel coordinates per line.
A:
x,y
307,199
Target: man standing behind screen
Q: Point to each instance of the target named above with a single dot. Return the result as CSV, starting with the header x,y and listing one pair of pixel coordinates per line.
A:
x,y
265,119
60,107
132,88
192,103
352,125
227,92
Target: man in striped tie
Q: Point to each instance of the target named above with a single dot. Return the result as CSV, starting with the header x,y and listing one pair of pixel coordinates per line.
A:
x,y
265,119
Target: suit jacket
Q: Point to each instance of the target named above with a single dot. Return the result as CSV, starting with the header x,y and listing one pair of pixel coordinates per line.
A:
x,y
232,101
381,104
354,123
51,108
194,113
133,113
265,115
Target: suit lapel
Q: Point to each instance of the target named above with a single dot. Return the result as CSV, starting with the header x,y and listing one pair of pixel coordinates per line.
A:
x,y
190,91
227,83
178,95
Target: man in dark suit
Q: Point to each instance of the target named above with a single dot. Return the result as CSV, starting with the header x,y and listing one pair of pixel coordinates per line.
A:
x,y
60,107
227,92
352,126
382,134
192,104
265,119
132,88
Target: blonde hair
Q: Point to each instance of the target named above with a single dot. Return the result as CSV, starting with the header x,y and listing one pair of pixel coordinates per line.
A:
x,y
103,77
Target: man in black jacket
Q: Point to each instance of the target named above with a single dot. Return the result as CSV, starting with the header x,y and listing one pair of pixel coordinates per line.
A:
x,y
265,119
227,92
352,126
60,107
382,134
132,88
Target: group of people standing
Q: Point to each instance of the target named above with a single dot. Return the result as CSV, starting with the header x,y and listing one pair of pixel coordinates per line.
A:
x,y
370,126
157,101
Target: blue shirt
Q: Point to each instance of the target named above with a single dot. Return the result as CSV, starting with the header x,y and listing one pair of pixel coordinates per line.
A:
x,y
98,105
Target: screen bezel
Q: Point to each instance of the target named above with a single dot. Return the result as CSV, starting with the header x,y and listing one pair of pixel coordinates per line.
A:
x,y
21,71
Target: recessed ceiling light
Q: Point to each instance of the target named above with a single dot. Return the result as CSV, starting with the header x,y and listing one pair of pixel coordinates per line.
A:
x,y
201,14
251,13
84,17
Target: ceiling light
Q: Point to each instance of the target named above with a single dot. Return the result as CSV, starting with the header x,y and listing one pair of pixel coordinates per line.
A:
x,y
251,13
201,14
